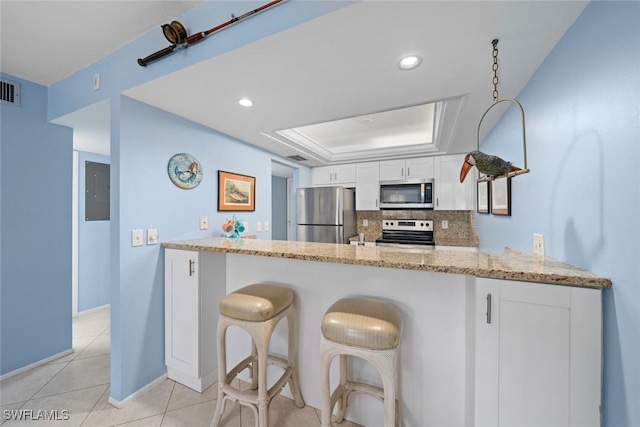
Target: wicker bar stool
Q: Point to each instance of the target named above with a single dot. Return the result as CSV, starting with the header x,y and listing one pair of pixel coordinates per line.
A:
x,y
369,329
257,309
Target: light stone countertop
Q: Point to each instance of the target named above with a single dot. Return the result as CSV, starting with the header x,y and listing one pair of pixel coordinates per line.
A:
x,y
511,265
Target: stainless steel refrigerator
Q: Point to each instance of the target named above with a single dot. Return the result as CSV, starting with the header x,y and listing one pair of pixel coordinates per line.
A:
x,y
326,214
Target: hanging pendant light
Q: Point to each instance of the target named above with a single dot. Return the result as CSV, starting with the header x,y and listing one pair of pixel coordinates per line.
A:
x,y
492,166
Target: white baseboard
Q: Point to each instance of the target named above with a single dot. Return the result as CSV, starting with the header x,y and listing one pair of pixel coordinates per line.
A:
x,y
36,364
197,384
120,403
91,310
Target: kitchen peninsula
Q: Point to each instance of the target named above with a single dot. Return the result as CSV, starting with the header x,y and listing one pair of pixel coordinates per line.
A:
x,y
488,339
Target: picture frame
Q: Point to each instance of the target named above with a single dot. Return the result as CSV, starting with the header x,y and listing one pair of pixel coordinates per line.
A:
x,y
501,196
484,197
236,192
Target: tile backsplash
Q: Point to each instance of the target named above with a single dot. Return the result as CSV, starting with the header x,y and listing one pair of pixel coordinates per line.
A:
x,y
461,224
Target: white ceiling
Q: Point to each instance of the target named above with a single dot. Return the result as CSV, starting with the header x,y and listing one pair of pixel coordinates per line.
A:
x,y
344,64
46,41
337,66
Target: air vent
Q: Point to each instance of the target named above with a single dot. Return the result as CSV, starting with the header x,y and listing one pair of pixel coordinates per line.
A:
x,y
10,92
297,158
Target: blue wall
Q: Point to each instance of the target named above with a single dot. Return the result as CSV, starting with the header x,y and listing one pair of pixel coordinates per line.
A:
x,y
583,194
137,330
278,208
35,279
94,266
146,139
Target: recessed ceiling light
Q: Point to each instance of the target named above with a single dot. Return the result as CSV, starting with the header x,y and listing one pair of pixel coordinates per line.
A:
x,y
409,62
245,102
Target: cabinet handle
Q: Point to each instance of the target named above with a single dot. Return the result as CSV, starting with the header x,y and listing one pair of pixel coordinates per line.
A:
x,y
376,203
489,308
408,171
191,267
335,176
402,172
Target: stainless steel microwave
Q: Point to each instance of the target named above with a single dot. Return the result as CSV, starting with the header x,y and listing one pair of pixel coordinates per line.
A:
x,y
407,195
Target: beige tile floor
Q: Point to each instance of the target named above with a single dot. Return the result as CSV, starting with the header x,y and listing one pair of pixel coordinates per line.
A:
x,y
79,383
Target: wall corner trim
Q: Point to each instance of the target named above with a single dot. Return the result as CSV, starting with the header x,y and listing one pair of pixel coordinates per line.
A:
x,y
121,403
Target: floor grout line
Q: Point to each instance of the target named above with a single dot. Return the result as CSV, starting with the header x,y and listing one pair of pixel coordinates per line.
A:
x,y
94,405
168,402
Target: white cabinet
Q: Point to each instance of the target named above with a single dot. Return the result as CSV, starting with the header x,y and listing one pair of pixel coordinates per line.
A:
x,y
335,175
538,354
420,168
191,314
450,194
392,170
407,169
367,186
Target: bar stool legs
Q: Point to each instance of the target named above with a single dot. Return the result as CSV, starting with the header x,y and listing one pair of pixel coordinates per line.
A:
x,y
369,330
385,362
260,332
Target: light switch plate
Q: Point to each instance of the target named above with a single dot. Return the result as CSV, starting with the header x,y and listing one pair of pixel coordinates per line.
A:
x,y
266,226
259,226
152,236
445,224
137,237
365,222
204,222
538,244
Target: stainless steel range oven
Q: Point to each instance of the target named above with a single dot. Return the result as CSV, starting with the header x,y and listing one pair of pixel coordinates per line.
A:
x,y
407,233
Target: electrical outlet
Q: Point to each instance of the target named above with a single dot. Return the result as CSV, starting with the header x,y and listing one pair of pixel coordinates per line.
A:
x,y
96,81
365,222
266,226
137,237
259,226
204,222
152,236
445,224
538,244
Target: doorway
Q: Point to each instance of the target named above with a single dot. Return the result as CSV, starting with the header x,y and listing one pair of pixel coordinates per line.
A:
x,y
281,201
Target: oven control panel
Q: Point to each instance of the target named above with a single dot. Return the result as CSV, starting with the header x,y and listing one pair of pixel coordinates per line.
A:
x,y
407,224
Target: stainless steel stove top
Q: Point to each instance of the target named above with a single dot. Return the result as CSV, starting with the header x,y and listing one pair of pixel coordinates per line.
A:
x,y
415,233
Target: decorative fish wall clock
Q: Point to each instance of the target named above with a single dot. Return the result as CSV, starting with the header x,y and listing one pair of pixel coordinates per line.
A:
x,y
184,171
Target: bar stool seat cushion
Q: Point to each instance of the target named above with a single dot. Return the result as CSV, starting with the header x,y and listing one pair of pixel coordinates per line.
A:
x,y
362,322
256,303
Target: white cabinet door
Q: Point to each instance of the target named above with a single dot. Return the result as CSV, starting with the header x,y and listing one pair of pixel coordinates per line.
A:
x,y
194,286
367,186
182,311
420,168
450,193
392,170
345,174
538,354
335,175
322,175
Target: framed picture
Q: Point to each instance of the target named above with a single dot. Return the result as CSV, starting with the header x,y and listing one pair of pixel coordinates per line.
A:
x,y
501,196
484,191
236,192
